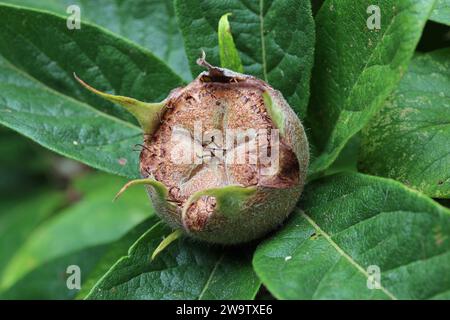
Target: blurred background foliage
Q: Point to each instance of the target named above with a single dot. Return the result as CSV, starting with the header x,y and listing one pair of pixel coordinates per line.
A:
x,y
55,212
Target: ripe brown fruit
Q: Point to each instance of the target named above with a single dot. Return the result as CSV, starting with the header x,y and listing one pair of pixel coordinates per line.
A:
x,y
224,158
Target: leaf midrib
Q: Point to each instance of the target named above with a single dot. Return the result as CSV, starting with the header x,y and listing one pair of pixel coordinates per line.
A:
x,y
343,254
263,45
213,271
53,91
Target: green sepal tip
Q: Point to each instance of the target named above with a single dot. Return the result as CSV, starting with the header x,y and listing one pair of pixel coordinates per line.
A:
x,y
159,187
147,114
166,242
274,111
229,55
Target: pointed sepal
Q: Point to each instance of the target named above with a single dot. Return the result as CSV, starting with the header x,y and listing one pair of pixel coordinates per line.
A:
x,y
274,111
166,242
229,55
147,114
160,188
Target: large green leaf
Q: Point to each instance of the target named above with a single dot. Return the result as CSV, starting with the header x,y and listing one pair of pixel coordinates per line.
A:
x,y
352,224
40,44
115,251
184,270
441,12
275,40
357,68
67,126
151,24
409,138
76,236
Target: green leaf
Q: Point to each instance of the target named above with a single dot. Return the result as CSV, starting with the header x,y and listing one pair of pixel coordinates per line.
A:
x,y
351,225
66,126
184,270
409,138
151,24
441,12
357,68
116,250
229,56
56,121
41,45
19,220
348,158
88,226
275,40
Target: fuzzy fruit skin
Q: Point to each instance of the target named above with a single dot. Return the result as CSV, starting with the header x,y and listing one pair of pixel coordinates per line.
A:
x,y
262,211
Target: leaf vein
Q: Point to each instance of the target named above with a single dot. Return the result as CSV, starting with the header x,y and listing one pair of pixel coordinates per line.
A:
x,y
343,253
